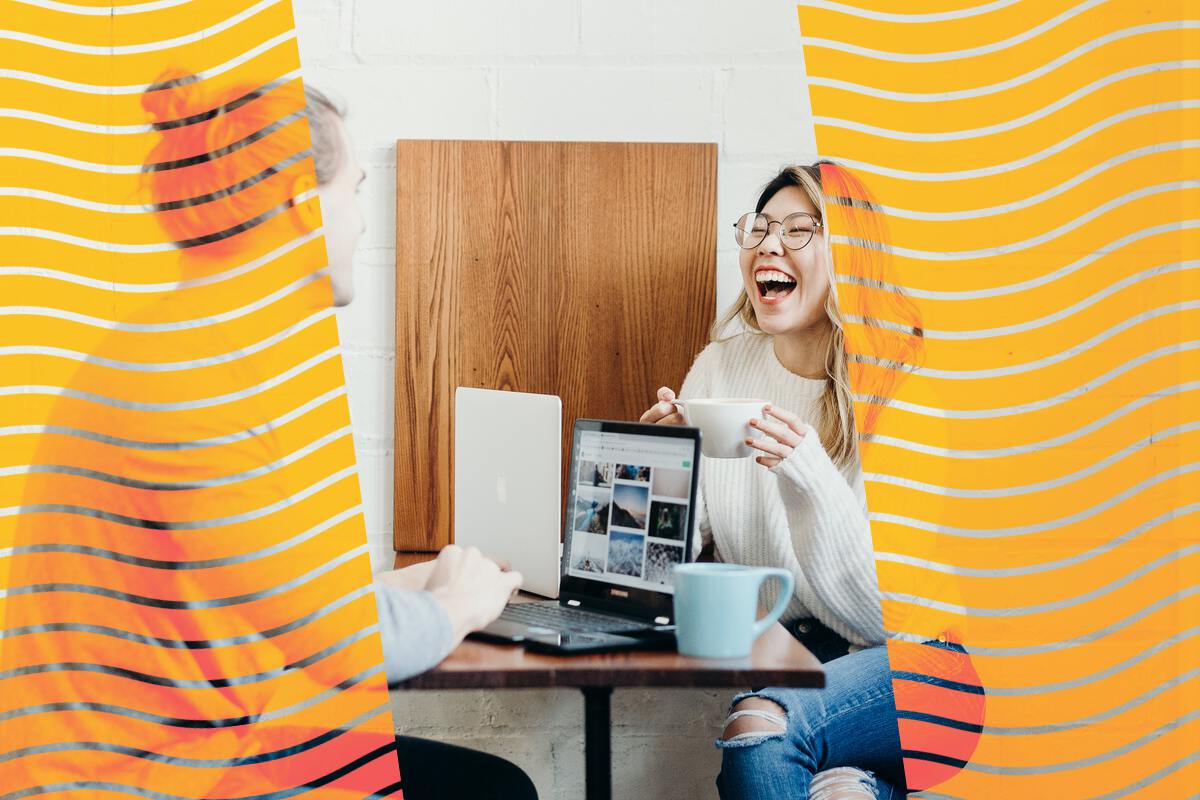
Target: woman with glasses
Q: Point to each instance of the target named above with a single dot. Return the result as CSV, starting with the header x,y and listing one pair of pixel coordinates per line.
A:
x,y
800,504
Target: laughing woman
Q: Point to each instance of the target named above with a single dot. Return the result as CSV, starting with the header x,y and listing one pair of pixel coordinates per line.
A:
x,y
800,504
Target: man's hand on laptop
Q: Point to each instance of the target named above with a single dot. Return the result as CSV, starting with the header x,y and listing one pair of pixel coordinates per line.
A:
x,y
473,589
414,577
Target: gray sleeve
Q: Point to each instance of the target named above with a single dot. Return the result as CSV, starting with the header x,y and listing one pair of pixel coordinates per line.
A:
x,y
415,629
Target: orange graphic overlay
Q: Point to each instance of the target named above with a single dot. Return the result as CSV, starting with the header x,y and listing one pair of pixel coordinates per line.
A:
x,y
1032,480
185,592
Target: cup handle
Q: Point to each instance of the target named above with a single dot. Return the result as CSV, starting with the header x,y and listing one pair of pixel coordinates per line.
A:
x,y
785,596
681,406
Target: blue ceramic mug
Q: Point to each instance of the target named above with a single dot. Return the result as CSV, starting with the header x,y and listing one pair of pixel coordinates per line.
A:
x,y
716,606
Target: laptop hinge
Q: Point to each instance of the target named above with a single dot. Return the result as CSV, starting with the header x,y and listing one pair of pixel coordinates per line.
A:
x,y
574,603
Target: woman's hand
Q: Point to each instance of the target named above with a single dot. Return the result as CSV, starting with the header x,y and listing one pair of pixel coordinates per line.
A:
x,y
663,412
781,438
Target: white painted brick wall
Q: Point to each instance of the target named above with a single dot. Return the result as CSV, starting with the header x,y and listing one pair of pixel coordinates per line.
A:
x,y
725,71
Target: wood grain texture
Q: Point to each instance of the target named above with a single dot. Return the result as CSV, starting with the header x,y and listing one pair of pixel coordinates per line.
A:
x,y
581,269
777,660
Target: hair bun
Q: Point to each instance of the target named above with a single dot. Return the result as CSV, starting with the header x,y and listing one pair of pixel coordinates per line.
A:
x,y
176,95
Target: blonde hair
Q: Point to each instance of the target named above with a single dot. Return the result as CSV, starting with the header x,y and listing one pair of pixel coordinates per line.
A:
x,y
882,351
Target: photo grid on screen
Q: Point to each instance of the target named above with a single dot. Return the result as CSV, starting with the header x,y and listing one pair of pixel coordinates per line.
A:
x,y
629,521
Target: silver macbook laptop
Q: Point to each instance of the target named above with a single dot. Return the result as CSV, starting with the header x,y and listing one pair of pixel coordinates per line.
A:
x,y
507,480
630,519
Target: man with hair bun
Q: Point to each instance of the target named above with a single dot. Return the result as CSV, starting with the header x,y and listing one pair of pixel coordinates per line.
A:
x,y
213,206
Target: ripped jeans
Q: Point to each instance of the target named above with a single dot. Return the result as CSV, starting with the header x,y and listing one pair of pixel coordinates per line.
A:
x,y
849,723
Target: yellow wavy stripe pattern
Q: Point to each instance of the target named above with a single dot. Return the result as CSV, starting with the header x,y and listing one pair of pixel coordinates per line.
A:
x,y
1033,484
185,600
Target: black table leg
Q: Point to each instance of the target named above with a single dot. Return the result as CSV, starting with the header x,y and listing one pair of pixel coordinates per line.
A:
x,y
597,741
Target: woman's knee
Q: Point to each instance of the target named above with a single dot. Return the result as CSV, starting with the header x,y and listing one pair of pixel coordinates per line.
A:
x,y
842,783
752,719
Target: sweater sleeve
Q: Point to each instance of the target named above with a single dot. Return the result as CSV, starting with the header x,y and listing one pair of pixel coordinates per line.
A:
x,y
697,384
415,629
831,536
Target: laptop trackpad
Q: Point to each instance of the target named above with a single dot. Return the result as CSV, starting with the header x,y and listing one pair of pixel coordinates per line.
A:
x,y
503,630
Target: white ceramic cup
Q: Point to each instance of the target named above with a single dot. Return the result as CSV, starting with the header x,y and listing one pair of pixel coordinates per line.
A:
x,y
724,424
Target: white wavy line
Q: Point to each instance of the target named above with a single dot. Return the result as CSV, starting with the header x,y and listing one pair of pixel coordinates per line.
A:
x,y
1040,486
999,127
73,163
91,127
1064,355
73,125
881,16
150,288
1112,712
196,564
1040,527
73,202
116,247
170,366
214,441
144,47
1024,161
1093,255
1180,722
1090,637
91,244
1016,247
190,484
1033,569
950,55
1152,778
1158,646
1055,605
200,524
162,327
1034,447
1053,191
180,405
140,88
104,11
1049,319
1038,405
983,91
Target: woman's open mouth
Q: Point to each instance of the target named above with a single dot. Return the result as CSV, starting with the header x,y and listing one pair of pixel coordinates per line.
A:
x,y
773,285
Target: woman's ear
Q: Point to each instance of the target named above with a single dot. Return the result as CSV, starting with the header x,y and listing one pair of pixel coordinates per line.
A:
x,y
306,208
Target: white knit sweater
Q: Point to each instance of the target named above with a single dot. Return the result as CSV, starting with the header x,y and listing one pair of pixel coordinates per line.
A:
x,y
804,515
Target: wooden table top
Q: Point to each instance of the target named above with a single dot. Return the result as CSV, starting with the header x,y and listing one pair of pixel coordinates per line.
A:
x,y
777,660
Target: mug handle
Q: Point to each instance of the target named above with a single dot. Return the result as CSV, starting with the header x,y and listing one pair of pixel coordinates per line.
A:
x,y
681,407
785,596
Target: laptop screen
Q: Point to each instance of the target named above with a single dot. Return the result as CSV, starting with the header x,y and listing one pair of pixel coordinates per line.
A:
x,y
630,506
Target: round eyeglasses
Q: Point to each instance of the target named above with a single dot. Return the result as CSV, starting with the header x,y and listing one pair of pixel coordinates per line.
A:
x,y
795,231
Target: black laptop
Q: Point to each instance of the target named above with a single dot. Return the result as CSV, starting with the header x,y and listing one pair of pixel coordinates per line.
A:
x,y
630,518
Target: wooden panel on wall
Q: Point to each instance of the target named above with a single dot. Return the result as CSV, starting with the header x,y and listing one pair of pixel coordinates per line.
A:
x,y
581,269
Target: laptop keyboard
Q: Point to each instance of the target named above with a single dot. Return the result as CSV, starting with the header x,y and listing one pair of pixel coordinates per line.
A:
x,y
564,618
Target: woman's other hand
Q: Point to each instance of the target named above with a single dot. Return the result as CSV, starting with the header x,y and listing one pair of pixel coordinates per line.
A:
x,y
473,589
663,412
783,434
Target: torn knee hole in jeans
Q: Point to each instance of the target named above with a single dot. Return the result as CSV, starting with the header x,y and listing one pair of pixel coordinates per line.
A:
x,y
754,719
842,783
